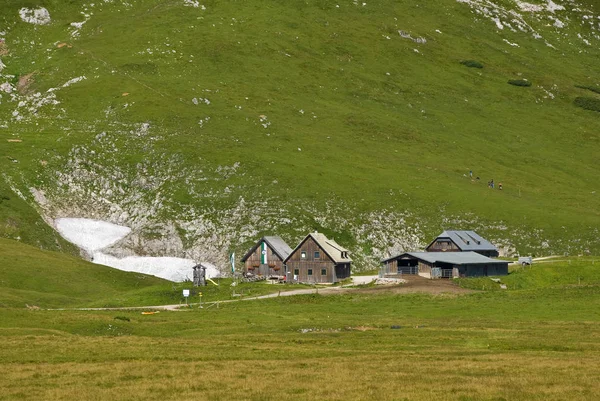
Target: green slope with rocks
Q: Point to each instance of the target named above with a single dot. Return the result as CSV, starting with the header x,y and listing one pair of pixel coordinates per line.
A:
x,y
203,125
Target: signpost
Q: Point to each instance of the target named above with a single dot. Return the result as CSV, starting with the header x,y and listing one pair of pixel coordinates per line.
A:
x,y
186,294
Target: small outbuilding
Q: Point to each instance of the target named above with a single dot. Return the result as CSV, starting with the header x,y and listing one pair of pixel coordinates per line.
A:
x,y
462,241
444,265
266,257
318,260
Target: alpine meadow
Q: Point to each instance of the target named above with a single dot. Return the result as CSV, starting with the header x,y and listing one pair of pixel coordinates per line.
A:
x,y
192,128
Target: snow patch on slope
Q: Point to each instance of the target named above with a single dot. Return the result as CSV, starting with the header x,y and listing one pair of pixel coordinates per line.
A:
x,y
91,235
96,235
173,269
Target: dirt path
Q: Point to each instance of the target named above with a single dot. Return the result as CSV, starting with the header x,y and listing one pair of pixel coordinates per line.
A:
x,y
322,291
175,307
414,284
417,284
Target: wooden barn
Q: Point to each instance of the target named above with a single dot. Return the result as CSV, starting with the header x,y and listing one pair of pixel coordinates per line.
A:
x,y
318,260
444,265
462,241
266,257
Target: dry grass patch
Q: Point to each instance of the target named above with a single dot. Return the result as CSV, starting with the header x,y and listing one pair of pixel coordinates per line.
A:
x,y
390,376
25,82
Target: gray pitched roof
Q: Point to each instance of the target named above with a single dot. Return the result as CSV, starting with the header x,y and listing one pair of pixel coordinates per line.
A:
x,y
467,240
277,244
281,248
329,246
455,258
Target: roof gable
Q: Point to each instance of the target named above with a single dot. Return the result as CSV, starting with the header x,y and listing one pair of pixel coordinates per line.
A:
x,y
331,248
277,244
466,240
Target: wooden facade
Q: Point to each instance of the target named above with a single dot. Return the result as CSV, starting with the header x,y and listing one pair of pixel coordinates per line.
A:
x,y
443,245
271,265
393,267
310,263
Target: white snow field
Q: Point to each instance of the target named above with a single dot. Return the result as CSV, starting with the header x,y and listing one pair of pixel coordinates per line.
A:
x,y
95,235
91,235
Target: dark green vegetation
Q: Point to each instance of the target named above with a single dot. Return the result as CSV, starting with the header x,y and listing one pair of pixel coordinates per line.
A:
x,y
519,82
588,103
595,89
539,342
472,63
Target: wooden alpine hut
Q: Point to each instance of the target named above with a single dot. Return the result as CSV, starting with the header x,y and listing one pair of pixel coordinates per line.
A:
x,y
318,260
266,257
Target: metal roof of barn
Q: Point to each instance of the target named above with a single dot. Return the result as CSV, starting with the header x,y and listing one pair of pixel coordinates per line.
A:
x,y
466,240
455,258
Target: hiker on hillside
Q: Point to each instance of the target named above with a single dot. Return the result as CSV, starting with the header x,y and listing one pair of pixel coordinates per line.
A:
x,y
500,186
470,173
492,183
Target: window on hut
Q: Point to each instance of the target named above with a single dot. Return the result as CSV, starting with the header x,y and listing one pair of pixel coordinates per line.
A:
x,y
323,272
303,255
296,272
317,255
310,272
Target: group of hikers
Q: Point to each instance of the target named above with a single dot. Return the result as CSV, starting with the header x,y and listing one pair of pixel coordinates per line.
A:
x,y
490,182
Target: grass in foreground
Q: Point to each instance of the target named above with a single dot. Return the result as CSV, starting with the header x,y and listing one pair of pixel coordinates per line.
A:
x,y
481,346
540,343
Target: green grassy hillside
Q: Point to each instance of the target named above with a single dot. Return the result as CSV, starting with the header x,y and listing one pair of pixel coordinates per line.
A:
x,y
51,279
219,123
20,221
